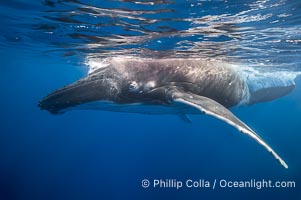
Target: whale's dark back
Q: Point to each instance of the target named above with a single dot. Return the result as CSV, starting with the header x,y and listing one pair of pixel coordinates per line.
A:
x,y
214,80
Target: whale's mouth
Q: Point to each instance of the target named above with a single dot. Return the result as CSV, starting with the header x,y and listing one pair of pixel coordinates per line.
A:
x,y
45,104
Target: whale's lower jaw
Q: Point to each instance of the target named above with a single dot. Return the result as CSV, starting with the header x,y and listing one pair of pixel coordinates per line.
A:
x,y
151,109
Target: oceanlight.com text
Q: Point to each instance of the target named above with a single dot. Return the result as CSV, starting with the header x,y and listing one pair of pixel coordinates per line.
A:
x,y
215,184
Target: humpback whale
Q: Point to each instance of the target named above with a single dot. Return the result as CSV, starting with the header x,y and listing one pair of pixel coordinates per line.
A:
x,y
166,86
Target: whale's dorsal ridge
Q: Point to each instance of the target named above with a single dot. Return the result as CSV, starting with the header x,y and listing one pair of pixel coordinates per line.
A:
x,y
213,108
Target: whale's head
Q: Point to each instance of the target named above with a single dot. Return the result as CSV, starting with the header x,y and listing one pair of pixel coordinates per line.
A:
x,y
103,85
101,90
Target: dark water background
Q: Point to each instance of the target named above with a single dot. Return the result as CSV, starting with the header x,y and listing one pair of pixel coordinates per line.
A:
x,y
105,155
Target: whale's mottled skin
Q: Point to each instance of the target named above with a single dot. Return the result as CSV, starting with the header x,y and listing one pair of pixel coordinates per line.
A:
x,y
165,86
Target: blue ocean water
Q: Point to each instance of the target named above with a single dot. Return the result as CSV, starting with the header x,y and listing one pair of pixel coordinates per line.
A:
x,y
47,44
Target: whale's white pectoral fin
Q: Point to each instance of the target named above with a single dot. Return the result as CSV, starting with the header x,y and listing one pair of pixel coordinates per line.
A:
x,y
213,108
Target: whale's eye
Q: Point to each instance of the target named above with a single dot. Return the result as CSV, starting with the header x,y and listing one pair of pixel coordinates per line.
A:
x,y
133,86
